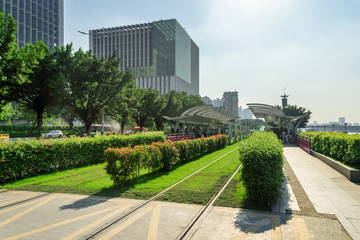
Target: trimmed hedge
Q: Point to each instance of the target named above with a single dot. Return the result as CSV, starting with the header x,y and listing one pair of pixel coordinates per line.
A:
x,y
20,131
340,146
125,163
22,159
262,173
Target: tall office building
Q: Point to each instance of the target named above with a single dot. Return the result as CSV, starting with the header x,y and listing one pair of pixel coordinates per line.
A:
x,y
160,54
231,102
37,20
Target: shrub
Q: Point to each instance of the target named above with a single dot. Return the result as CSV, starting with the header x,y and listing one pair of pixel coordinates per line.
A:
x,y
341,146
20,159
159,155
262,173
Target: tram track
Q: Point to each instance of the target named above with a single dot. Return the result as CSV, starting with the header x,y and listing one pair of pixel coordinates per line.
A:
x,y
192,225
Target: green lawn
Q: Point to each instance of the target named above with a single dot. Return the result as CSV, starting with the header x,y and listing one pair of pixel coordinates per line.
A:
x,y
93,180
201,187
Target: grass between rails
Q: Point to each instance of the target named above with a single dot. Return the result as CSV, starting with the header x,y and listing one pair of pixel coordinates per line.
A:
x,y
201,187
93,180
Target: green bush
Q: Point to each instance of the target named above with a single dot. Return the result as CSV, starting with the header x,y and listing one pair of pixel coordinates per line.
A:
x,y
262,173
20,159
340,146
169,155
159,155
21,131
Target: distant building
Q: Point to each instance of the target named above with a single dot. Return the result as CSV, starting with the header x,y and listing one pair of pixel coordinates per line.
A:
x,y
160,54
231,101
217,102
37,20
342,120
356,124
207,100
248,114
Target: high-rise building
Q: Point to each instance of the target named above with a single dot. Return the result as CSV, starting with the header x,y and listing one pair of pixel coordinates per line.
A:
x,y
342,120
230,101
37,20
160,54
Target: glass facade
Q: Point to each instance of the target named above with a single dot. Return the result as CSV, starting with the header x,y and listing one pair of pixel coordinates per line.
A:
x,y
37,20
160,48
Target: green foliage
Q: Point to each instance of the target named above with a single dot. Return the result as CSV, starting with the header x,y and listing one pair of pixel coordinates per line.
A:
x,y
125,163
262,173
148,105
91,83
340,146
33,157
122,107
170,155
293,110
175,103
10,63
21,131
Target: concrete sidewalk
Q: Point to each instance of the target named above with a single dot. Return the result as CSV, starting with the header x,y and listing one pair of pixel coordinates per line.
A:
x,y
328,191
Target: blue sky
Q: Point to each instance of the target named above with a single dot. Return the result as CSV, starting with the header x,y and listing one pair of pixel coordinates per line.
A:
x,y
256,47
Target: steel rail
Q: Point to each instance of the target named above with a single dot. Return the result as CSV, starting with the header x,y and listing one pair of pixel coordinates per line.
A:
x,y
193,225
108,225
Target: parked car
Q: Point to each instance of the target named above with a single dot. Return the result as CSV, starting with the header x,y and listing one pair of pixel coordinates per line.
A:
x,y
53,134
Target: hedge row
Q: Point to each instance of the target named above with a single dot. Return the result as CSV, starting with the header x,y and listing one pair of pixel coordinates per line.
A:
x,y
341,146
125,163
22,159
20,131
262,173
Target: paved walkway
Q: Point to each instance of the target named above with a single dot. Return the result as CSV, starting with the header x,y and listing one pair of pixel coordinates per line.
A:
x,y
318,203
325,191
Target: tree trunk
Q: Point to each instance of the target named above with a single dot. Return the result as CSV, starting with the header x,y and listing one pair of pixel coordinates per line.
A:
x,y
71,124
39,121
123,122
87,128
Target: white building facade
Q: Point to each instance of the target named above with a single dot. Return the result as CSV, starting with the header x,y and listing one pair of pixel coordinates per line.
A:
x,y
160,54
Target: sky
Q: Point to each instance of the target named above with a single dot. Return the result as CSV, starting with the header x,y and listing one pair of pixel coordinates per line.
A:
x,y
255,47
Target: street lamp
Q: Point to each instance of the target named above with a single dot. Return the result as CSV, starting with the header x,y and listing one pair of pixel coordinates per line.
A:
x,y
345,126
333,127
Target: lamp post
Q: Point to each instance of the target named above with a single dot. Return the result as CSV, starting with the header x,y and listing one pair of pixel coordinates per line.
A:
x,y
345,126
324,127
333,127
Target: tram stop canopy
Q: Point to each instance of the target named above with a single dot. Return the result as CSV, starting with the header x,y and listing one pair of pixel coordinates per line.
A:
x,y
204,115
275,116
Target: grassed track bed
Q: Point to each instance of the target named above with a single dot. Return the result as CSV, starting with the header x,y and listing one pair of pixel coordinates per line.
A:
x,y
93,180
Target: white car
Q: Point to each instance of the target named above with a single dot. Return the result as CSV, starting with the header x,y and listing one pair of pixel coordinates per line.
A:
x,y
53,134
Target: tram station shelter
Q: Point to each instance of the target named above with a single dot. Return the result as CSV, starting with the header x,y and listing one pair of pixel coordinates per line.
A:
x,y
275,117
209,118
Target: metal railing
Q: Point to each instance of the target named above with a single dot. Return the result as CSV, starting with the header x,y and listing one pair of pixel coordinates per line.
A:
x,y
180,136
304,143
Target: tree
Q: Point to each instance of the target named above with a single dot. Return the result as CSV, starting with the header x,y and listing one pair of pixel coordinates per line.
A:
x,y
123,105
148,106
293,110
91,83
10,64
8,113
40,80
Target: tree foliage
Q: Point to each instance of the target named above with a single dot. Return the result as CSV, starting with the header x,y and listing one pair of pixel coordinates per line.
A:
x,y
91,83
293,110
148,106
122,107
175,103
36,87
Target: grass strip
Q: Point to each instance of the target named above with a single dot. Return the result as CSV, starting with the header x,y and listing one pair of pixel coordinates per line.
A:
x,y
93,180
201,187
